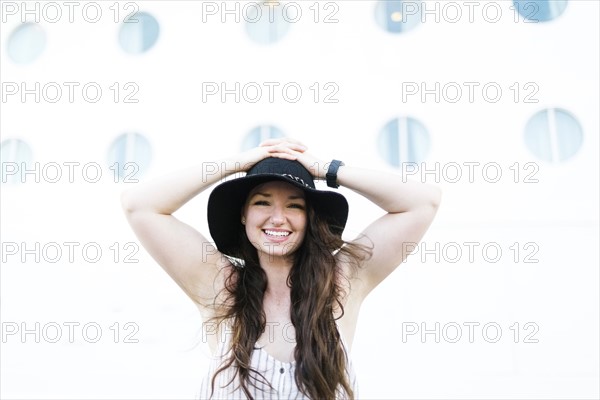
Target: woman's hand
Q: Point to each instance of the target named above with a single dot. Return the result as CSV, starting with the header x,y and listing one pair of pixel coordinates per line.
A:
x,y
292,149
282,148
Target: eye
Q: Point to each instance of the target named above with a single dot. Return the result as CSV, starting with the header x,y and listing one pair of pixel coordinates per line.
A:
x,y
297,205
261,203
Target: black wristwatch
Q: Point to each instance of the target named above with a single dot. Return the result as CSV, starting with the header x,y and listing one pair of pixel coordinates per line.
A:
x,y
331,175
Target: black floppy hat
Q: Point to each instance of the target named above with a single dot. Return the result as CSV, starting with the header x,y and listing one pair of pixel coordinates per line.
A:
x,y
227,199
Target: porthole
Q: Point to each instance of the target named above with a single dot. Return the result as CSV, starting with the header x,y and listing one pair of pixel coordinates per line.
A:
x,y
17,157
129,157
553,135
398,16
259,134
540,10
138,33
403,140
26,43
268,24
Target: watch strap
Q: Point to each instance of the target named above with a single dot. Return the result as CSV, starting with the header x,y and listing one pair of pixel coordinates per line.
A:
x,y
331,175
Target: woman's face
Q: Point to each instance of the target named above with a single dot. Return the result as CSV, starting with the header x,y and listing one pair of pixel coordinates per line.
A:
x,y
275,219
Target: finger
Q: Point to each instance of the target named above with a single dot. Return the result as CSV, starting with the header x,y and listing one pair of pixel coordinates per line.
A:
x,y
280,142
284,148
284,155
281,148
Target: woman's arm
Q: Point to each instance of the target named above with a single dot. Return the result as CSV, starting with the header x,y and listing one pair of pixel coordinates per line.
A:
x,y
183,252
410,208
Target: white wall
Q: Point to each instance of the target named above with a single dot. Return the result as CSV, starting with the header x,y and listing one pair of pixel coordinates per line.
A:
x,y
553,221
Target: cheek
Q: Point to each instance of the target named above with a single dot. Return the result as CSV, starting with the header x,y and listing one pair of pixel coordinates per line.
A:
x,y
253,217
301,223
254,222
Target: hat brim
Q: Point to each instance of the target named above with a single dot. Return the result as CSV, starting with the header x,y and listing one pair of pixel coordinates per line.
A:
x,y
227,199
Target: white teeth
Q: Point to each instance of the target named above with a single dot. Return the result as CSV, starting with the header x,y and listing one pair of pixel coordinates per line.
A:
x,y
277,233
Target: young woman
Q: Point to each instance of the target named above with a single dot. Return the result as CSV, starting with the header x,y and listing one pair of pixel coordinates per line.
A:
x,y
281,292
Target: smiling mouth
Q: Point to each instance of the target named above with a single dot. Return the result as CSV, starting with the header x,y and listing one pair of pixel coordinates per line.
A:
x,y
278,234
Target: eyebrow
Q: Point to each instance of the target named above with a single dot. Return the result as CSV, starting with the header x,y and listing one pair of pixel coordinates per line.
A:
x,y
292,197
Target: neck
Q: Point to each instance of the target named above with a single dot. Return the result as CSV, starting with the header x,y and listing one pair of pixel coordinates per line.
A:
x,y
277,270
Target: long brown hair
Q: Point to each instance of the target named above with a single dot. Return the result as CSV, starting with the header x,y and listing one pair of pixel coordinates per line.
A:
x,y
316,292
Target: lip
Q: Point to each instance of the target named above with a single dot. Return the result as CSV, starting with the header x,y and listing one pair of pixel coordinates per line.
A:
x,y
277,239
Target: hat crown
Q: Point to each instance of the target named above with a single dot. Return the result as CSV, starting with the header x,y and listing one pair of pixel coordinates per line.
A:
x,y
290,169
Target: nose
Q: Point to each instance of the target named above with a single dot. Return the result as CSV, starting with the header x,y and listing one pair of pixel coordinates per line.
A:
x,y
277,217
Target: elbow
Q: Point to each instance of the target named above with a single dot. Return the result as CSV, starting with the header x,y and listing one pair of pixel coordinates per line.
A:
x,y
136,201
436,197
127,202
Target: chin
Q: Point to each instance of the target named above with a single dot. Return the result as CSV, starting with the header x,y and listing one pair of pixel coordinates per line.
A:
x,y
284,251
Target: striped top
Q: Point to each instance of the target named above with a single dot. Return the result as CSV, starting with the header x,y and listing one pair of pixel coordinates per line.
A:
x,y
280,374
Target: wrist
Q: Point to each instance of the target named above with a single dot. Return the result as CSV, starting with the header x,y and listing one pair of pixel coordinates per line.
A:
x,y
229,166
332,172
321,170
